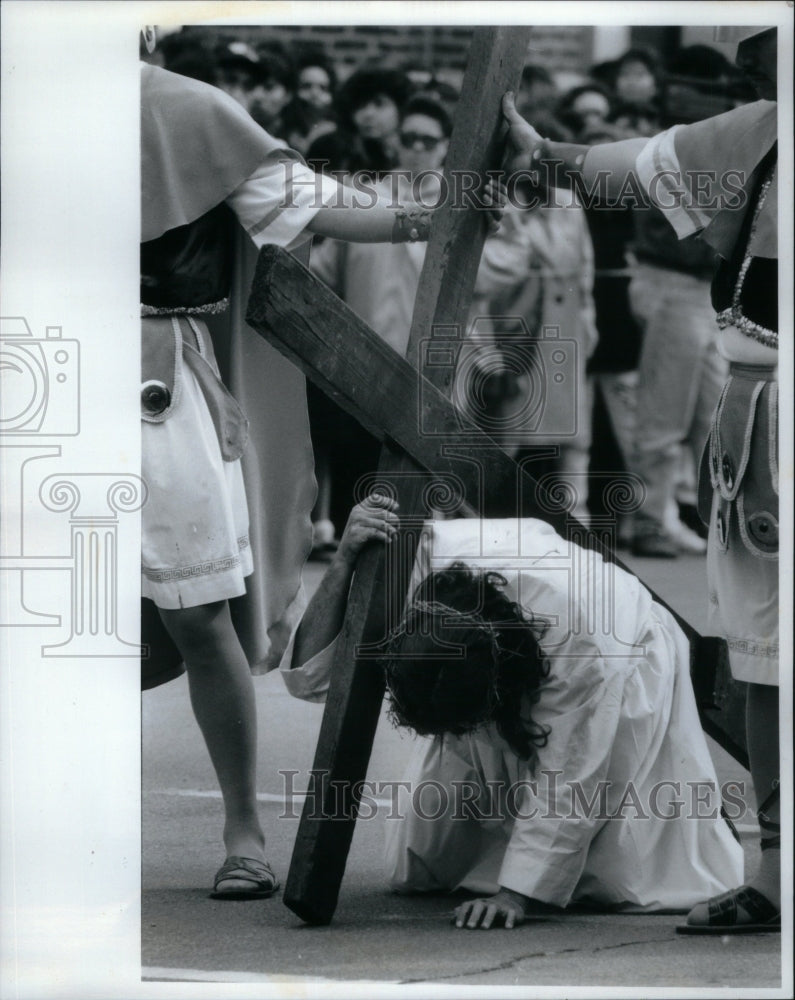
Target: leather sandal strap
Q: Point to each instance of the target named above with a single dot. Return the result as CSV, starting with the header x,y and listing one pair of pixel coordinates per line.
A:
x,y
723,909
249,869
732,828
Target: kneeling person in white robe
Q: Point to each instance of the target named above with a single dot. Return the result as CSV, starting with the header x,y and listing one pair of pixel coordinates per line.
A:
x,y
555,708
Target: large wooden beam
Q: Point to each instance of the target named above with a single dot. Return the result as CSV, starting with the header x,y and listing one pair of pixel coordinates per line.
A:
x,y
338,352
354,702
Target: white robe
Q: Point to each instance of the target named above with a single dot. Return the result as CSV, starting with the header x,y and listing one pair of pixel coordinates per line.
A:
x,y
620,710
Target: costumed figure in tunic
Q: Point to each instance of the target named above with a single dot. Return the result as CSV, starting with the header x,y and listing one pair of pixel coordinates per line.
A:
x,y
221,571
559,758
718,178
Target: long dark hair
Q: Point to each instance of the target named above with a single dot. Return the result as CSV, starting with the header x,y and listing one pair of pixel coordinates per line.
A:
x,y
463,656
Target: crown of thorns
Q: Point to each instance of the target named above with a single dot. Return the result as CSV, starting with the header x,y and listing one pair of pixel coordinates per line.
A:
x,y
477,626
444,614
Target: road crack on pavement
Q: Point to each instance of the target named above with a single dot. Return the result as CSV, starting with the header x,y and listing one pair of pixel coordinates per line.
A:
x,y
630,944
511,962
500,967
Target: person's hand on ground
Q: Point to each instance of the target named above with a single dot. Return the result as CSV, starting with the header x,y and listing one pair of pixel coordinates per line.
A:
x,y
505,909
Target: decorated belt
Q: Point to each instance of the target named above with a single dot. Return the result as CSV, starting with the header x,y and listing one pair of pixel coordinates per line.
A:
x,y
210,309
733,316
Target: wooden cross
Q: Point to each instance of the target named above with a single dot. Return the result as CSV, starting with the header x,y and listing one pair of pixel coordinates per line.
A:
x,y
407,405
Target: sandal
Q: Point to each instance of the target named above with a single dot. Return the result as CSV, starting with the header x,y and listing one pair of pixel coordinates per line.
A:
x,y
258,873
721,912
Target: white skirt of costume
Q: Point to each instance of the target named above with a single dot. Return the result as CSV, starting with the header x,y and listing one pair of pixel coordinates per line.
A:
x,y
194,531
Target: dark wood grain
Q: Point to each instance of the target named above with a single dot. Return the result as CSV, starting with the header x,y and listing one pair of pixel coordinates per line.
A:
x,y
341,354
353,707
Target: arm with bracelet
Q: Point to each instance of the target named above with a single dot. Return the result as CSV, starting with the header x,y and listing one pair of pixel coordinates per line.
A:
x,y
384,221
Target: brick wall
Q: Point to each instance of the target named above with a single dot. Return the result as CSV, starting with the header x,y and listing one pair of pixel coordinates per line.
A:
x,y
444,47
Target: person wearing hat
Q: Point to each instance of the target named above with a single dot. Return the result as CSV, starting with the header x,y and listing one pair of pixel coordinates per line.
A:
x,y
261,82
718,178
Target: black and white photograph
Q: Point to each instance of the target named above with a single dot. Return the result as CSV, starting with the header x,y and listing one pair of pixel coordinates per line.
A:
x,y
396,500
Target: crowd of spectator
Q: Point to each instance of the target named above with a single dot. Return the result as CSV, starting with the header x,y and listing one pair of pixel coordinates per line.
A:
x,y
644,373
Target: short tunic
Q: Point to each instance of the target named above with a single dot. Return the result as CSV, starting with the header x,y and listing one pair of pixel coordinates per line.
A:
x,y
195,524
195,546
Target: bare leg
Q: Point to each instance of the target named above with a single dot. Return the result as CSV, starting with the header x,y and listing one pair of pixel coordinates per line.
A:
x,y
762,731
222,696
763,750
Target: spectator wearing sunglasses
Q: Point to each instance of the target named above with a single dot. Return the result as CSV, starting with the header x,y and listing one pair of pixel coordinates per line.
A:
x,y
423,138
381,287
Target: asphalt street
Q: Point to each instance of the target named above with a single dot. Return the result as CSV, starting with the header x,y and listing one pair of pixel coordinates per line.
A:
x,y
377,936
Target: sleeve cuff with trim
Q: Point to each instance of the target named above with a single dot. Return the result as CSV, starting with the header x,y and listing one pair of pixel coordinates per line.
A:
x,y
278,201
310,680
660,173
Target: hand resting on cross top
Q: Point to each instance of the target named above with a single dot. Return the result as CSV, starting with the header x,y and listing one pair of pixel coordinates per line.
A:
x,y
372,520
